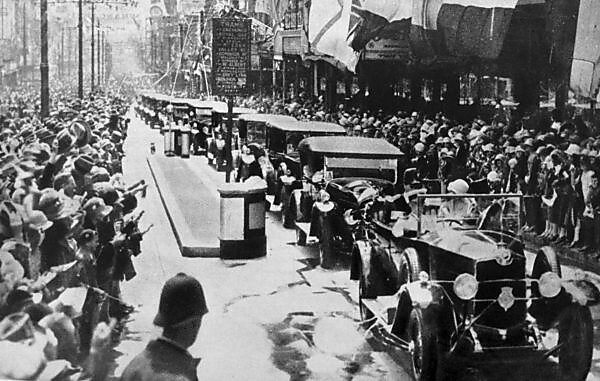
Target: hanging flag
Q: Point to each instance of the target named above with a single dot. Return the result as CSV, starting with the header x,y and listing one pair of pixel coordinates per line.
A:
x,y
585,71
460,28
372,18
457,28
328,30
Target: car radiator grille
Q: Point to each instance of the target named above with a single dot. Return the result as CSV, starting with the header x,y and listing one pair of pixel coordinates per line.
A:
x,y
512,277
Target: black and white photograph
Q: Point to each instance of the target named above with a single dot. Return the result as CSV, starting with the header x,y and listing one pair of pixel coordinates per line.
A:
x,y
299,190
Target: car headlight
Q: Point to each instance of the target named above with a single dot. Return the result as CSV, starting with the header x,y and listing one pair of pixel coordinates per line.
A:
x,y
324,196
465,286
550,284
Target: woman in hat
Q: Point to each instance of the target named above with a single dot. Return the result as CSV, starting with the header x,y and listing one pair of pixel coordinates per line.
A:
x,y
559,182
458,208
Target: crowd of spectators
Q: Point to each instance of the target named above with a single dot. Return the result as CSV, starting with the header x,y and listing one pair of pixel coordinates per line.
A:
x,y
68,231
553,160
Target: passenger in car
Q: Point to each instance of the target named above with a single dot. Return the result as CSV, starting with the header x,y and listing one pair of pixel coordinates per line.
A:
x,y
458,208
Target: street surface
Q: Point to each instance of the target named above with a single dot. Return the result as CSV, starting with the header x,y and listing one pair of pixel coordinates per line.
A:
x,y
275,318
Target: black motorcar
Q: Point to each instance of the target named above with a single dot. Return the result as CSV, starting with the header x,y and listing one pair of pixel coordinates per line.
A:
x,y
338,173
449,284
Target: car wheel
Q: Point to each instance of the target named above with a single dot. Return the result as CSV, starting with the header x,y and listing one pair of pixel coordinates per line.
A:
x,y
327,251
576,340
409,266
288,212
422,347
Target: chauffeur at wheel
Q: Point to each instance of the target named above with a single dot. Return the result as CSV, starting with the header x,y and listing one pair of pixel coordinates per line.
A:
x,y
404,204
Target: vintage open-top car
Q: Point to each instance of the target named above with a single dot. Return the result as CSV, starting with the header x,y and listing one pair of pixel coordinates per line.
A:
x,y
336,171
449,284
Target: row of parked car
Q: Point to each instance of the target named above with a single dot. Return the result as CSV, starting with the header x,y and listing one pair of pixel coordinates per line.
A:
x,y
459,293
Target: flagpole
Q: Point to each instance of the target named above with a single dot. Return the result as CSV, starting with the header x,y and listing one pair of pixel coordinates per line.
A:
x,y
492,24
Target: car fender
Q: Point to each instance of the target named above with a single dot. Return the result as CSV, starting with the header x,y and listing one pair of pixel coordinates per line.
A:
x,y
361,259
425,296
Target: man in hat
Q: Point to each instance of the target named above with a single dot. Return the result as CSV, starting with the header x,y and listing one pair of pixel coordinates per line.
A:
x,y
404,203
55,248
82,166
180,311
87,242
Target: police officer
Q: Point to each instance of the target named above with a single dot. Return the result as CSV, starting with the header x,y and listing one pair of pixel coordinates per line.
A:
x,y
182,306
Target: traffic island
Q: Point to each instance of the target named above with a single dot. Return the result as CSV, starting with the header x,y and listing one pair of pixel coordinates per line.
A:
x,y
191,206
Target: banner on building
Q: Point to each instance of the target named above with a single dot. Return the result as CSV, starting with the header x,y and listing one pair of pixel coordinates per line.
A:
x,y
585,71
458,28
328,30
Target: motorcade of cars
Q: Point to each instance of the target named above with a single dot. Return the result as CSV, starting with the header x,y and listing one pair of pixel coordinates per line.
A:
x,y
281,139
336,170
216,144
153,108
453,285
201,120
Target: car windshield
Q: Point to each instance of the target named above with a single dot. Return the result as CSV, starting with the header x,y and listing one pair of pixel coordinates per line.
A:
x,y
362,167
500,212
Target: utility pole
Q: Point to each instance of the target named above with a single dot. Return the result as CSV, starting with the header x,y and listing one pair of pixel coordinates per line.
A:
x,y
80,70
103,58
45,96
99,48
2,10
62,51
92,55
69,52
24,38
152,47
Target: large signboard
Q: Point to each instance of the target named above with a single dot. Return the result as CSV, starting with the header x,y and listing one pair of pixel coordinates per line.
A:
x,y
230,55
387,50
